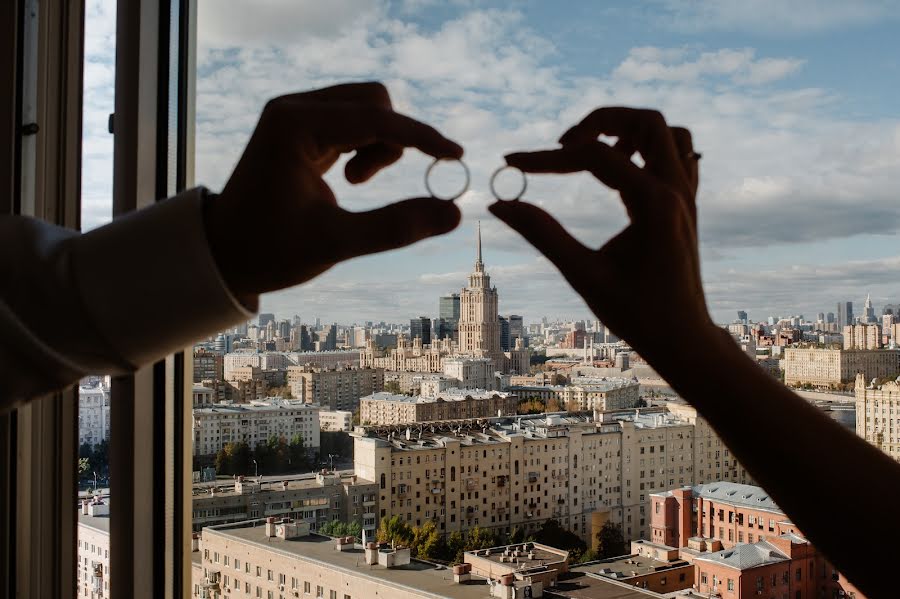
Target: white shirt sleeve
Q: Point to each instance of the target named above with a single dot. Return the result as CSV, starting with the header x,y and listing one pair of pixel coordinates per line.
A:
x,y
107,301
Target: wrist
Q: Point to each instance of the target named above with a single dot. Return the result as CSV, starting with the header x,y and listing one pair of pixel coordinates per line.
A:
x,y
216,227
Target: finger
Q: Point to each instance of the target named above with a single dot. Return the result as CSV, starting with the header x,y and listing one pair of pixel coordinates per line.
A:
x,y
371,159
373,92
646,130
407,221
543,232
684,143
353,125
613,168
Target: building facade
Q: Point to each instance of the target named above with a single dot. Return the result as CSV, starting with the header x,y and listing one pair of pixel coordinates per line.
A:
x,y
863,336
335,420
335,389
876,407
92,567
833,367
586,393
93,411
522,471
479,323
470,373
208,366
452,404
254,423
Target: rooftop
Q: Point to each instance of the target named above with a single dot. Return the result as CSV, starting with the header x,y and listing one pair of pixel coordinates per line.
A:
x,y
734,494
453,394
295,482
627,566
100,523
272,404
527,555
746,556
417,576
577,584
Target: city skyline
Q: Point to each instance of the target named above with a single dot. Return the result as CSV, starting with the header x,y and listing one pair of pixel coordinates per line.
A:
x,y
789,222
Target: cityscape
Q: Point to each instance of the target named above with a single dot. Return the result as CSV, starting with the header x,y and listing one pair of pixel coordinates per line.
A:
x,y
471,453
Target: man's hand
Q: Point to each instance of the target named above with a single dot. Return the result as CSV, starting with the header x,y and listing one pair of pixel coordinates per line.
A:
x,y
654,262
277,186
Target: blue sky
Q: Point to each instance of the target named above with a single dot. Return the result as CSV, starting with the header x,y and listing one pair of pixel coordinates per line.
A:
x,y
793,105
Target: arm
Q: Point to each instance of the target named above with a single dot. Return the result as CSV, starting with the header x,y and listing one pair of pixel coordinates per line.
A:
x,y
813,467
102,302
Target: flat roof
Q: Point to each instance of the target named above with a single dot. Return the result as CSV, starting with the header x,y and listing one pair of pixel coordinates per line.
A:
x,y
578,585
225,487
543,555
418,576
100,523
627,566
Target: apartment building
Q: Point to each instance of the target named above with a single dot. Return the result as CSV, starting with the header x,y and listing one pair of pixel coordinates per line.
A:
x,y
93,410
313,499
863,336
878,415
502,473
416,358
741,544
274,559
208,365
831,367
92,567
254,423
452,404
586,393
471,373
274,360
334,388
335,420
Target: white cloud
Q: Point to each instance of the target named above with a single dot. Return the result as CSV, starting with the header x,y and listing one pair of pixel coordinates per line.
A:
x,y
657,64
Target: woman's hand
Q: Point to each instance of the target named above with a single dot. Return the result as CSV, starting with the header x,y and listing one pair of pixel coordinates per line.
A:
x,y
277,188
653,262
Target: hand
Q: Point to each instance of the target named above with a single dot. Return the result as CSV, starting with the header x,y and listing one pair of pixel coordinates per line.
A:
x,y
653,264
277,187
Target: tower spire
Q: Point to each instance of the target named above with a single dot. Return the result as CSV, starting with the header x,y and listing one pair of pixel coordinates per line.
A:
x,y
479,265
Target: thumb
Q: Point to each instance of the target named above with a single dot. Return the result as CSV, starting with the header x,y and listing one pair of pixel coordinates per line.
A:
x,y
394,226
543,232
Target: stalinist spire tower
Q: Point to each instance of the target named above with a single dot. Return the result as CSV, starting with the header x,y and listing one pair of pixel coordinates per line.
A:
x,y
479,325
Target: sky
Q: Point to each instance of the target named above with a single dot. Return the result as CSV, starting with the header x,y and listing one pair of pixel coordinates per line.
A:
x,y
793,105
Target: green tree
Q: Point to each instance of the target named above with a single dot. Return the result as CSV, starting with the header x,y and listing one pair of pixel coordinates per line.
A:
x,y
393,387
610,541
517,535
84,465
297,454
394,530
456,545
426,541
554,535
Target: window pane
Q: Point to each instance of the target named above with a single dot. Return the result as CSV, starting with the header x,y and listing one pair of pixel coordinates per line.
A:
x,y
92,572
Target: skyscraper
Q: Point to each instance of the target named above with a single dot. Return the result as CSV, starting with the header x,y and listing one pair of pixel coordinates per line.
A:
x,y
742,316
264,319
448,313
869,311
479,325
516,330
420,327
844,314
504,333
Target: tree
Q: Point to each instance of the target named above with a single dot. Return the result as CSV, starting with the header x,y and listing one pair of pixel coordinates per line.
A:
x,y
456,545
393,387
233,458
297,454
426,541
394,530
517,535
610,541
84,465
554,535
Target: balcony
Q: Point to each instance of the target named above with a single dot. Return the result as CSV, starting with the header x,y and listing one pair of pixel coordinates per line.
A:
x,y
532,477
369,503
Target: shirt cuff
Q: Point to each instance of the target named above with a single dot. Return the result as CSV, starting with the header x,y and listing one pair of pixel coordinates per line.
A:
x,y
150,282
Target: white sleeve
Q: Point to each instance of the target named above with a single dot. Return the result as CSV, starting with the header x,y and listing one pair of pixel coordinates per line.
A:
x,y
107,301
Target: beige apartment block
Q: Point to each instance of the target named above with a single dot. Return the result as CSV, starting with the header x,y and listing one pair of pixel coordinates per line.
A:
x,y
505,473
254,423
313,499
599,394
878,415
452,404
275,560
832,367
334,388
863,336
404,358
92,568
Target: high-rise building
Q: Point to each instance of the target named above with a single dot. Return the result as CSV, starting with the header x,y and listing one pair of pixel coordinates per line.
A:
x,y
420,327
328,338
504,333
742,316
265,318
448,312
869,311
844,314
516,330
479,325
829,317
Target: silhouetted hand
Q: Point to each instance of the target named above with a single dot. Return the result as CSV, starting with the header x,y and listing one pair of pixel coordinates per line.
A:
x,y
278,187
654,262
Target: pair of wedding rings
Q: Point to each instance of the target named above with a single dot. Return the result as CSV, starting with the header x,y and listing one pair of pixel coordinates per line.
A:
x,y
497,173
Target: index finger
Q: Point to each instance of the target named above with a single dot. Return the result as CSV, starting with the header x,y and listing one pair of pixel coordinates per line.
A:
x,y
353,125
645,130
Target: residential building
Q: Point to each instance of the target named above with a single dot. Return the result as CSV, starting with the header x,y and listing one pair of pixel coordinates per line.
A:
x,y
876,407
501,473
281,360
452,404
93,410
863,336
472,373
254,424
208,365
335,388
741,543
335,420
404,358
649,566
586,393
312,498
92,566
833,367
